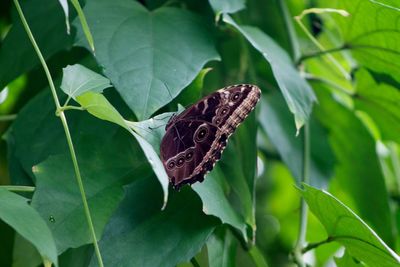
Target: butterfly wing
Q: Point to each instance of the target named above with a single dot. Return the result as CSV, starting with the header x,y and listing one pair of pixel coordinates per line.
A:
x,y
187,155
217,107
186,150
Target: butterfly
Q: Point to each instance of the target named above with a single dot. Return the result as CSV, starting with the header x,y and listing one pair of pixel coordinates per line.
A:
x,y
195,139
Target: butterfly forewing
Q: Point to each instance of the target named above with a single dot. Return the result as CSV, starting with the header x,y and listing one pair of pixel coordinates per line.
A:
x,y
195,139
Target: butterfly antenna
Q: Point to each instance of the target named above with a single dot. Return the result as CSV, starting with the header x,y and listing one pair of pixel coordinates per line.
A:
x,y
153,128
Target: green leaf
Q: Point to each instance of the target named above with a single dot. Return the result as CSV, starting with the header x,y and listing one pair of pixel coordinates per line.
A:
x,y
155,163
222,6
149,56
345,227
103,176
192,93
97,105
84,24
15,211
216,203
78,79
47,23
296,91
380,102
357,171
25,254
37,133
221,247
145,236
276,121
371,33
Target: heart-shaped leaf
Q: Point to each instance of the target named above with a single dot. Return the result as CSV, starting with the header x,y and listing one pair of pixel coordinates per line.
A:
x,y
371,33
149,56
145,236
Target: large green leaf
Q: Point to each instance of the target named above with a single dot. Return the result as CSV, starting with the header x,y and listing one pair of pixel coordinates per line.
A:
x,y
276,121
15,211
357,172
345,227
106,163
48,26
145,236
371,33
298,94
149,56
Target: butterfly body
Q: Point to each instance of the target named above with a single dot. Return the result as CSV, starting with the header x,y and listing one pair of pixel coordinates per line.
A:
x,y
195,139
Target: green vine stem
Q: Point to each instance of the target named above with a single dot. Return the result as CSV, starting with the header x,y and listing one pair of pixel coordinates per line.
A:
x,y
18,188
334,86
9,117
321,53
301,237
66,130
64,108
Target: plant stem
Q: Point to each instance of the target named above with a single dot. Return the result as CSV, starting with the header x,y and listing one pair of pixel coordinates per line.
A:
x,y
321,53
9,117
64,108
66,130
18,188
332,85
290,28
301,237
316,244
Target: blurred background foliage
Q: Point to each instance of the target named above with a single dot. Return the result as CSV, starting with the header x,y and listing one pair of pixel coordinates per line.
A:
x,y
346,91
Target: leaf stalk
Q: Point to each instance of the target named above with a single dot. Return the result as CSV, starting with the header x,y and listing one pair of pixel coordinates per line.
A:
x,y
301,237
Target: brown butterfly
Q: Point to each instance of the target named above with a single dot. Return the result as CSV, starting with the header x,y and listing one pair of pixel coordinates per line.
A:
x,y
195,139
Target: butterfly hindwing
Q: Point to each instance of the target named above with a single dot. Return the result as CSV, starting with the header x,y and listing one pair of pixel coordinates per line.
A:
x,y
195,139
